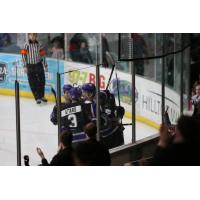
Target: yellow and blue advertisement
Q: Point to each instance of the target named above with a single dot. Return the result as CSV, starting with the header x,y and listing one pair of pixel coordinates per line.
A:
x,y
11,68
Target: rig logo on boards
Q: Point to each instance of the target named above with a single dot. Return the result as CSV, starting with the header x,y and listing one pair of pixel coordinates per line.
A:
x,y
3,72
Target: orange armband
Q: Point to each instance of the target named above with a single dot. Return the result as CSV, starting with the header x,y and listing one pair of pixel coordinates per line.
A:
x,y
42,52
24,51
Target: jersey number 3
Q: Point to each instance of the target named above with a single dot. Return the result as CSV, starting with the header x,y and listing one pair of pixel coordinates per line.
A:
x,y
73,119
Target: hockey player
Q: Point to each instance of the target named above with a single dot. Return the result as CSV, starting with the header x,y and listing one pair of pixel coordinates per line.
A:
x,y
88,91
111,132
107,103
76,115
66,89
88,96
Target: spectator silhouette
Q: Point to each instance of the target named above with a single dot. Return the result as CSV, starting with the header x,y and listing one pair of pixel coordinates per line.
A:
x,y
139,51
64,157
57,49
91,152
78,49
5,39
180,148
85,56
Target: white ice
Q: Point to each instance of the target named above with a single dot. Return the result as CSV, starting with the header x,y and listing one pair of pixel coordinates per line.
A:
x,y
38,131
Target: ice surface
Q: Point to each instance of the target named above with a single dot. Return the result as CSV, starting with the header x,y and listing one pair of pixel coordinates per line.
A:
x,y
38,131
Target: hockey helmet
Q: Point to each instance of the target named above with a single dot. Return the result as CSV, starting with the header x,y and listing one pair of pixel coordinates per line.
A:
x,y
103,98
67,88
75,93
119,111
89,87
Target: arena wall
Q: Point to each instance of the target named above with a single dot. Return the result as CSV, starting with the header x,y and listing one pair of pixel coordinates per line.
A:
x,y
148,92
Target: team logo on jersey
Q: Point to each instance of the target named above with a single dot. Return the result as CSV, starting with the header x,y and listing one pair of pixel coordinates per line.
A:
x,y
3,72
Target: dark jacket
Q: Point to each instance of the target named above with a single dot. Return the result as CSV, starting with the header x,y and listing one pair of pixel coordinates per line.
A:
x,y
62,158
92,152
183,154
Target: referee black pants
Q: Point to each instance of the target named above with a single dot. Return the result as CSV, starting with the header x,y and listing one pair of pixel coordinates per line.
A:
x,y
36,79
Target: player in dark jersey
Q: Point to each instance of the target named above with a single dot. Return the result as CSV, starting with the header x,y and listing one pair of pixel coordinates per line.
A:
x,y
111,132
76,115
88,96
88,91
107,103
111,117
66,89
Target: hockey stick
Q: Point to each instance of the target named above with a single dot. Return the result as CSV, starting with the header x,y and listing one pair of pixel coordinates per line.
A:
x,y
118,94
112,62
129,124
54,94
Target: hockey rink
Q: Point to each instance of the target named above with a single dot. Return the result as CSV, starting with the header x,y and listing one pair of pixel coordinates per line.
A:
x,y
38,131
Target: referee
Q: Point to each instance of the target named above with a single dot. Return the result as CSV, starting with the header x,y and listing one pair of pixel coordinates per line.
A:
x,y
33,56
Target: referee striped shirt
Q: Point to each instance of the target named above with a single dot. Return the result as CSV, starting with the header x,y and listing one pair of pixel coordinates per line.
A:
x,y
33,53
